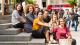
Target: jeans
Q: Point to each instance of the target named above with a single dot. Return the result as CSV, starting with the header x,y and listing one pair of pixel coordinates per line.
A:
x,y
75,24
68,22
28,28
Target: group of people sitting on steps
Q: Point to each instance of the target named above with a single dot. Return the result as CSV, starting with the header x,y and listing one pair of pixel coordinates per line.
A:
x,y
40,23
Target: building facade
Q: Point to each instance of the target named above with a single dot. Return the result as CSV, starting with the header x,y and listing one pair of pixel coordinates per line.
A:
x,y
54,2
45,3
6,5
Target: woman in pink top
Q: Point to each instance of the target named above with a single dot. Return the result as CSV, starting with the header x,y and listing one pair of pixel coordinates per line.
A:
x,y
61,31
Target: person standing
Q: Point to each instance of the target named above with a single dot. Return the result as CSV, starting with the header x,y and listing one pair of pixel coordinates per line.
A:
x,y
67,17
75,21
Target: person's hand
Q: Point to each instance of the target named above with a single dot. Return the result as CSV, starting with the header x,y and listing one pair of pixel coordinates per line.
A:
x,y
46,24
69,37
49,25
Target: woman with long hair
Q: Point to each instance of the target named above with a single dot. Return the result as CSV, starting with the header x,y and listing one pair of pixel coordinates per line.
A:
x,y
53,23
17,21
38,28
62,32
29,17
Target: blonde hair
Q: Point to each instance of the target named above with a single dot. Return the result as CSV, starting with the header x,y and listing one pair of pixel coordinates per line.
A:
x,y
63,20
54,22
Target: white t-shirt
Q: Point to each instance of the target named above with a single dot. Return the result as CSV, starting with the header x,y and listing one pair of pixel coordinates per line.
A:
x,y
78,12
15,16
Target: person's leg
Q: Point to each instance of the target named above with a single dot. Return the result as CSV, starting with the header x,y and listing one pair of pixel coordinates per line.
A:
x,y
72,23
75,25
51,38
38,33
19,25
28,28
47,36
68,24
35,34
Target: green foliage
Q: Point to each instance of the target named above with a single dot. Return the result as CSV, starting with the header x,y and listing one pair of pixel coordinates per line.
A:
x,y
18,1
29,1
72,2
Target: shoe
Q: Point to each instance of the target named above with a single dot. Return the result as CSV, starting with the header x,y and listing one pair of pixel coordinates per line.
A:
x,y
49,42
54,42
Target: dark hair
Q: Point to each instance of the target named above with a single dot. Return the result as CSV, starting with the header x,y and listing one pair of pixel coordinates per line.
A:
x,y
45,10
41,12
72,13
56,12
20,11
38,11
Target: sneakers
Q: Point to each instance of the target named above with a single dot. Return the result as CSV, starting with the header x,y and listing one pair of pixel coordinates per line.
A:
x,y
53,42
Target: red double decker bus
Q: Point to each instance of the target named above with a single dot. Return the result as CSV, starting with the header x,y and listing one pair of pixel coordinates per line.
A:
x,y
59,7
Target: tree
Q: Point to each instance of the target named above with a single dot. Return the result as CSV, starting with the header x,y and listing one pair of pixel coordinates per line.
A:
x,y
73,3
29,1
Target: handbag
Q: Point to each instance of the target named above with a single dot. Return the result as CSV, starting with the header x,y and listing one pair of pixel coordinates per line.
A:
x,y
65,41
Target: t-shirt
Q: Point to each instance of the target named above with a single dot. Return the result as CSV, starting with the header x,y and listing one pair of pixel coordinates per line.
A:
x,y
36,26
61,32
15,16
47,19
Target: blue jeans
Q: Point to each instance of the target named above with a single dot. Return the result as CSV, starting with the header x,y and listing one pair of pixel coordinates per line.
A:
x,y
28,28
68,22
75,24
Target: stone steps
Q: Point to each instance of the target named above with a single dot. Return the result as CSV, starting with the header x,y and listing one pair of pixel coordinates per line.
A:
x,y
5,17
19,37
12,36
13,43
4,21
37,42
32,42
5,26
52,44
10,31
